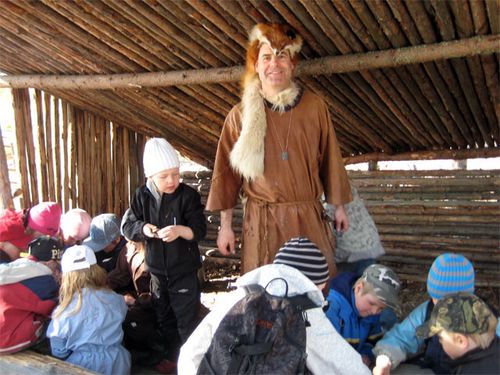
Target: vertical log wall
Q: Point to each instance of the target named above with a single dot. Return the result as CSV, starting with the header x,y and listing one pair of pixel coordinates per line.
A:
x,y
73,157
419,215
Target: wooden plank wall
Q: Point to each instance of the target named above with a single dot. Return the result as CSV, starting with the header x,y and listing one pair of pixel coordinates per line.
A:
x,y
419,215
74,157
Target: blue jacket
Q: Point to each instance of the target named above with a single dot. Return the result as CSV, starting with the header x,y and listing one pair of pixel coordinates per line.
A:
x,y
360,332
401,342
92,337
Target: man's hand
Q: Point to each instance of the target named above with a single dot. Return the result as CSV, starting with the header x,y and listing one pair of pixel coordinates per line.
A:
x,y
226,241
341,219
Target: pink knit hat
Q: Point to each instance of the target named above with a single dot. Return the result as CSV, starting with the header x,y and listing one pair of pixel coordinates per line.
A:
x,y
45,218
76,224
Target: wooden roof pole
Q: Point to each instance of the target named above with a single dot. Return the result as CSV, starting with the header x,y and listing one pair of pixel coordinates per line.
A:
x,y
425,155
326,65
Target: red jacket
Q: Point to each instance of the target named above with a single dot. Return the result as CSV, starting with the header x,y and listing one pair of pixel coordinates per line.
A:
x,y
24,307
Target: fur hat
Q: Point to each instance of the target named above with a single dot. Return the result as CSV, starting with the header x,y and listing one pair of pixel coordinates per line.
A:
x,y
159,155
279,37
247,156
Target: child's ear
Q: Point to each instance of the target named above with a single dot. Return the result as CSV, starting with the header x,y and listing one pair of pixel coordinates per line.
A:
x,y
461,340
358,288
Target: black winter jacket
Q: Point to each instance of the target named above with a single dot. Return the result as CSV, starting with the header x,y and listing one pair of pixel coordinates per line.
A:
x,y
479,361
183,207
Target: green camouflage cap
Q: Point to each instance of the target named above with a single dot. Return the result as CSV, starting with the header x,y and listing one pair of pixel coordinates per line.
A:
x,y
385,282
459,313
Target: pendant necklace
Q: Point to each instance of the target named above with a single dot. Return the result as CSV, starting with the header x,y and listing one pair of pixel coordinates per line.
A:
x,y
284,151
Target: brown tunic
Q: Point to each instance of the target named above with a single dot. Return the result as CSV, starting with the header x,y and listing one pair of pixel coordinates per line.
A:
x,y
285,201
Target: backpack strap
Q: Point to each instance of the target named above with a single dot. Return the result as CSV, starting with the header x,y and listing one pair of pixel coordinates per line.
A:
x,y
243,352
302,302
252,288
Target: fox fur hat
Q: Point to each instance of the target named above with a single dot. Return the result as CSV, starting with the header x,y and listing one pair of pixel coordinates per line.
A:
x,y
247,156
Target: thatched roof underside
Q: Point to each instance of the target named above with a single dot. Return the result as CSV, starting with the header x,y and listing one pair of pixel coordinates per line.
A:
x,y
442,105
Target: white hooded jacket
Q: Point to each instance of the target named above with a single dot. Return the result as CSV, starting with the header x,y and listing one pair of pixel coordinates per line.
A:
x,y
327,351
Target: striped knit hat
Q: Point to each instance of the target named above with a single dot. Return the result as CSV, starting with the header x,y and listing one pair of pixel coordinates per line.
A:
x,y
302,254
450,273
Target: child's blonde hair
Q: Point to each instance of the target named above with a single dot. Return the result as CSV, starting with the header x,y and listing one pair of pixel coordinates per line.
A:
x,y
73,282
366,287
483,340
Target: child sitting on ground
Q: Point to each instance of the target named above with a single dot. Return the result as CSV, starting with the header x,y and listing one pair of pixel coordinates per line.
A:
x,y
449,273
355,305
466,328
86,327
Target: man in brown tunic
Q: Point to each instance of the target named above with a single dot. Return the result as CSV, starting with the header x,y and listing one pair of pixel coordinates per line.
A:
x,y
278,147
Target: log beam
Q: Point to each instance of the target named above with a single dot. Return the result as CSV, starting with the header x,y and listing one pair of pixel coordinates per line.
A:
x,y
327,65
425,155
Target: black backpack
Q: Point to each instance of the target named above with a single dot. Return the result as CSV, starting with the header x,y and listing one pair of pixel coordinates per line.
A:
x,y
260,334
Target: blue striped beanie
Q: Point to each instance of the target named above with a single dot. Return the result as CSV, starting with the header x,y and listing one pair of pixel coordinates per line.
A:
x,y
450,273
302,254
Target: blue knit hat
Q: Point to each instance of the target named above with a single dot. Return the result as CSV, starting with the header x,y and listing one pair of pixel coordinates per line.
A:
x,y
304,255
450,273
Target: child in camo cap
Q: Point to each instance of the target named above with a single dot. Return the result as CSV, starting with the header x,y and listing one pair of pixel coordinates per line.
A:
x,y
355,305
466,329
449,273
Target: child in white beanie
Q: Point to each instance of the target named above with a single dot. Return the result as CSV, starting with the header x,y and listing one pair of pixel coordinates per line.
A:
x,y
168,215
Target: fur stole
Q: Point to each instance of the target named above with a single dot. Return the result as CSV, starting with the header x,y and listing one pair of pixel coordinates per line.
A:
x,y
247,156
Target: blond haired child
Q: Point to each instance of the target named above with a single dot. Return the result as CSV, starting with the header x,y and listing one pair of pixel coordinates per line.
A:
x,y
466,329
355,304
168,215
86,327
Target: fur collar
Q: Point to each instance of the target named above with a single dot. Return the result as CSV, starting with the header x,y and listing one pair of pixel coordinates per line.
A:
x,y
284,100
247,156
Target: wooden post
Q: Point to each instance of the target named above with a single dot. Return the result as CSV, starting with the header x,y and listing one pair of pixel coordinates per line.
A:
x,y
48,147
66,158
41,144
57,153
5,192
17,96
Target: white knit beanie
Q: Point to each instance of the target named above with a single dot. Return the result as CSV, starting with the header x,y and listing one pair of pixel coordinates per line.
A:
x,y
159,155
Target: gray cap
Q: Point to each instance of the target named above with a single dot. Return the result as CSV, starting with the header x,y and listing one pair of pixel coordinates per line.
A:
x,y
385,282
104,229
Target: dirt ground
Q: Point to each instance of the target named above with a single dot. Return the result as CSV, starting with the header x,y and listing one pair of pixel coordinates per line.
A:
x,y
218,279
